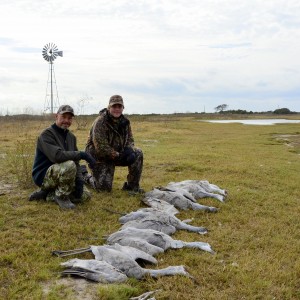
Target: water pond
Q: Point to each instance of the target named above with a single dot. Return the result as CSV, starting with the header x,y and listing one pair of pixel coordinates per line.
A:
x,y
255,121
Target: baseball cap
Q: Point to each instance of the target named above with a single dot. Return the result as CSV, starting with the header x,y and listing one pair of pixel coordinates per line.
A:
x,y
65,109
116,99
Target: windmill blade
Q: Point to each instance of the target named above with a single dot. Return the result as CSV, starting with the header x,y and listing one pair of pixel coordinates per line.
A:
x,y
50,52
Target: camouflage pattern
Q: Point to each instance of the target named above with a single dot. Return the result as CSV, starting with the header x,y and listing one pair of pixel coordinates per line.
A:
x,y
60,180
108,137
84,198
116,99
104,172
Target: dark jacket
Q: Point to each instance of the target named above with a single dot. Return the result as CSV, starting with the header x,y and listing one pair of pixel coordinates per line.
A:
x,y
109,134
54,145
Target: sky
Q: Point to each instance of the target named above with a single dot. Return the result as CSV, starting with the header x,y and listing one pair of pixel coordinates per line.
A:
x,y
162,56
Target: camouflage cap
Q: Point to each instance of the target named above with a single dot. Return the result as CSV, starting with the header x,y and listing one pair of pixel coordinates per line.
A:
x,y
63,109
116,99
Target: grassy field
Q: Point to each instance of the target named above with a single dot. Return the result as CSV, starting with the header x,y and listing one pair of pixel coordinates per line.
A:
x,y
256,233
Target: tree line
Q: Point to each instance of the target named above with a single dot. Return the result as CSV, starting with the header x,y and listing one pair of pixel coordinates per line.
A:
x,y
223,109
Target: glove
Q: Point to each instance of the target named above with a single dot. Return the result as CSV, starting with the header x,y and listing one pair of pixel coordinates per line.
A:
x,y
127,156
88,158
78,188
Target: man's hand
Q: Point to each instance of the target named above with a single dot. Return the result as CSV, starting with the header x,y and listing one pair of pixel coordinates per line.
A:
x,y
114,154
127,156
88,158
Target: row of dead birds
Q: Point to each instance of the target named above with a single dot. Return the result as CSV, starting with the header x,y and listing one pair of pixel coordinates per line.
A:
x,y
145,233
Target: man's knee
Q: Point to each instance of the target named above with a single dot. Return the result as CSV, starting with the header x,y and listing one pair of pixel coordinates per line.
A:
x,y
67,171
68,167
103,186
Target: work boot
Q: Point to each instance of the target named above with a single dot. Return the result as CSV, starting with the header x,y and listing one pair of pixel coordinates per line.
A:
x,y
132,189
75,200
38,195
64,202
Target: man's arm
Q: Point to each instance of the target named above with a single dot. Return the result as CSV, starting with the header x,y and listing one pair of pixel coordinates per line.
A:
x,y
100,141
52,148
130,140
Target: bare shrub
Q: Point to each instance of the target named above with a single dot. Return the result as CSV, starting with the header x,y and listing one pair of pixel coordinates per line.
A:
x,y
20,161
81,122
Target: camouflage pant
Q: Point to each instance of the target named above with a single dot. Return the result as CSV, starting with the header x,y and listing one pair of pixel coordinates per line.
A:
x,y
104,172
60,181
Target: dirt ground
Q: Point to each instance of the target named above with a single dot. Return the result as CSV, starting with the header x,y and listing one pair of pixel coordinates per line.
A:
x,y
292,140
5,188
81,289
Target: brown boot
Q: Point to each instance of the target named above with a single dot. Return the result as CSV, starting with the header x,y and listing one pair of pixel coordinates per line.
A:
x,y
64,202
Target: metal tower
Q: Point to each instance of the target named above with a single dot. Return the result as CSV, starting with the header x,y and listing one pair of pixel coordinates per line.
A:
x,y
50,52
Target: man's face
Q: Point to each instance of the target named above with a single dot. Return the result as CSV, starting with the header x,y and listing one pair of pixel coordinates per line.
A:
x,y
116,110
64,121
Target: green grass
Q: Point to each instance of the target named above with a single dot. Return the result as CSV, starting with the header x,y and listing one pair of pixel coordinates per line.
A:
x,y
256,233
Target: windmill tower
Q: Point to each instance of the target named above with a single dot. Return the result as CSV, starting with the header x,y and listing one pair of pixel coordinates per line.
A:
x,y
50,52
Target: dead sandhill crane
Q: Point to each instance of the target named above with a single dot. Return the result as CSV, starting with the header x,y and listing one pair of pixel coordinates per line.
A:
x,y
134,253
160,205
200,189
126,262
95,270
151,223
177,199
149,218
135,242
153,237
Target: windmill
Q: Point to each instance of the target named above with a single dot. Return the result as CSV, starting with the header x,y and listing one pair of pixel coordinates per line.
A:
x,y
50,52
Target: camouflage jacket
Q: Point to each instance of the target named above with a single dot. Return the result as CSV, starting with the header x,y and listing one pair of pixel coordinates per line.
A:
x,y
108,135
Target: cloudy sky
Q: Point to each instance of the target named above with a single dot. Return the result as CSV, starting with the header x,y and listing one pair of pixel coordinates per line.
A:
x,y
162,56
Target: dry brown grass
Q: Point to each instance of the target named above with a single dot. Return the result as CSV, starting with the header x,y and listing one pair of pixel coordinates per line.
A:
x,y
255,233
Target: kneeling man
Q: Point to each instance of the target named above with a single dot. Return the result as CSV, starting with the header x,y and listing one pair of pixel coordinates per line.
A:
x,y
56,168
